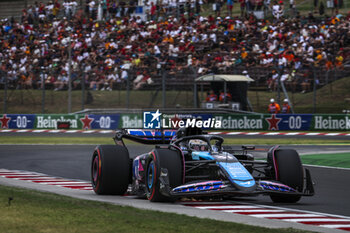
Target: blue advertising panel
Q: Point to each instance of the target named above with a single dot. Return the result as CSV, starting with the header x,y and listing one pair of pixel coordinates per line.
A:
x,y
289,121
103,121
17,121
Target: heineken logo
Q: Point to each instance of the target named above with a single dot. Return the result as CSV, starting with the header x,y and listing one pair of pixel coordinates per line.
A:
x,y
48,122
239,123
330,122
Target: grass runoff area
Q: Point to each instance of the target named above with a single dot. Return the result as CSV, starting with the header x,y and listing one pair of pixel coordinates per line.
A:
x,y
108,140
32,211
336,160
331,160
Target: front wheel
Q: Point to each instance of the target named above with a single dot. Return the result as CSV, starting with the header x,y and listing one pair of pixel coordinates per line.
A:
x,y
110,170
288,170
167,159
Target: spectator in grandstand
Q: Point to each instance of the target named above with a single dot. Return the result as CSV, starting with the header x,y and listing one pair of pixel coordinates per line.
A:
x,y
62,81
141,80
217,7
285,107
273,82
124,74
229,5
112,78
242,7
291,81
274,107
277,9
285,76
97,82
92,9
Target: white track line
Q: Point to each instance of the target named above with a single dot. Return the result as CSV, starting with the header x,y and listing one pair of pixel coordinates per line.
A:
x,y
234,133
71,131
312,134
272,133
281,215
253,211
55,131
291,134
226,207
335,226
316,220
38,130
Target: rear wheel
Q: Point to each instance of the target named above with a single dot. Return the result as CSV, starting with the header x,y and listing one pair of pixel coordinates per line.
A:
x,y
110,170
158,159
289,171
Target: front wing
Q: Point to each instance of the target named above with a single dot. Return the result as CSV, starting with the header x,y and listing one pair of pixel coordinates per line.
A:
x,y
224,188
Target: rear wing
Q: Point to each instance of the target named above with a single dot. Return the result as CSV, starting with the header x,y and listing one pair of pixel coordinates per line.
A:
x,y
145,136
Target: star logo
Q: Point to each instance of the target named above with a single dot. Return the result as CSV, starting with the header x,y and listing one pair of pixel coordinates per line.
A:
x,y
273,122
5,121
156,115
151,120
86,121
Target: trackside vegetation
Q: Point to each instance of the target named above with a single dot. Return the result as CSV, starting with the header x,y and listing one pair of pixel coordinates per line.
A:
x,y
330,160
29,211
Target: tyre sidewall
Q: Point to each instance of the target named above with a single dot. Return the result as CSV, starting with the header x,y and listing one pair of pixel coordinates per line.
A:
x,y
288,170
113,169
153,192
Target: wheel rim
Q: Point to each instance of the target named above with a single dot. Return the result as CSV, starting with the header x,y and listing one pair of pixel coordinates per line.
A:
x,y
95,170
150,175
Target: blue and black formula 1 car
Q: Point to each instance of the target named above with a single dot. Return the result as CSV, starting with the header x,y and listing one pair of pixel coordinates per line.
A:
x,y
189,163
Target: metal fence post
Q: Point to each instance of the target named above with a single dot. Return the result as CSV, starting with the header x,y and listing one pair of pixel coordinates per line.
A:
x,y
314,90
43,91
5,95
195,100
279,88
70,74
163,87
82,91
128,90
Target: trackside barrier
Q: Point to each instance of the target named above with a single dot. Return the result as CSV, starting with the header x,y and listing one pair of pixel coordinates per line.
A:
x,y
266,122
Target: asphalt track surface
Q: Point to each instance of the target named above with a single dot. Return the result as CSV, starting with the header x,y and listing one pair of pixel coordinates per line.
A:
x,y
73,161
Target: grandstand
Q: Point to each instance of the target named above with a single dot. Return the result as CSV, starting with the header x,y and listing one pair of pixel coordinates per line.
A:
x,y
123,52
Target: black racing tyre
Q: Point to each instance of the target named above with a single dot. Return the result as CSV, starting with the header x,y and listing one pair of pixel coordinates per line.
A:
x,y
288,170
162,158
110,170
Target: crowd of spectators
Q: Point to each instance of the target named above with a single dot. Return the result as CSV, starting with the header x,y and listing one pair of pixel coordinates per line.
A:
x,y
107,52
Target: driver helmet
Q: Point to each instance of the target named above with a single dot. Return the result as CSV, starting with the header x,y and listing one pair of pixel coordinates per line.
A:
x,y
198,145
181,133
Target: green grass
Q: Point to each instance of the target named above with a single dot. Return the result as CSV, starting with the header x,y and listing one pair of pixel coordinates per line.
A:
x,y
284,141
32,211
55,140
109,140
332,98
331,160
336,160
